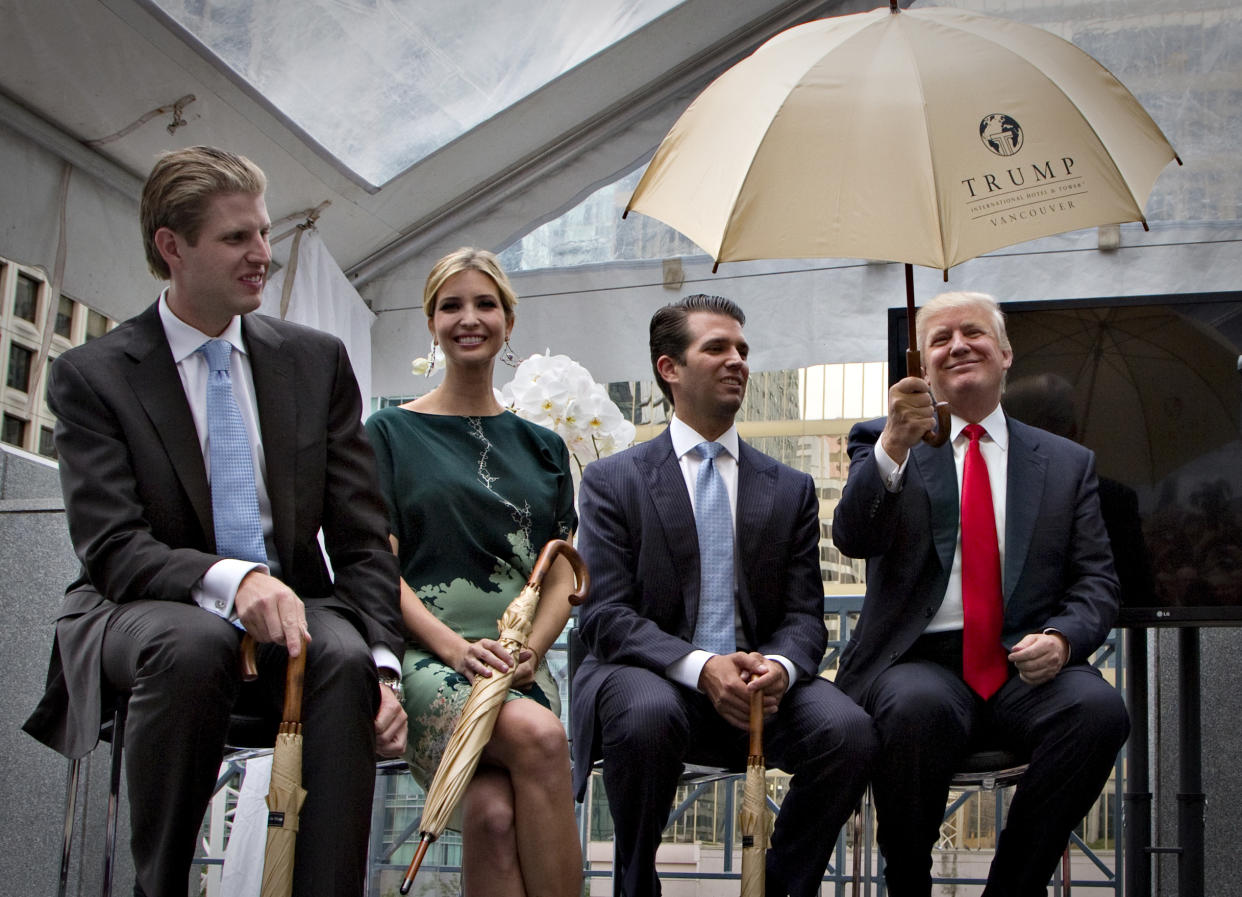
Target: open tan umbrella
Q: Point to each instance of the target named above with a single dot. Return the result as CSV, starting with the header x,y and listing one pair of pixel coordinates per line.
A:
x,y
285,794
487,694
754,820
924,136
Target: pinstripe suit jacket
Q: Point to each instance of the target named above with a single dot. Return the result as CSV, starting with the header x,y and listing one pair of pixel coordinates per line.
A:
x,y
637,536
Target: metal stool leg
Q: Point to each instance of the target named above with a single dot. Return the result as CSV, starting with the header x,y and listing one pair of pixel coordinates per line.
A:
x,y
114,799
71,805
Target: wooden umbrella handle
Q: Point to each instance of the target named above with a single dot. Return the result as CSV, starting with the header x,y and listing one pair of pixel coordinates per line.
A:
x,y
582,579
938,436
756,725
295,677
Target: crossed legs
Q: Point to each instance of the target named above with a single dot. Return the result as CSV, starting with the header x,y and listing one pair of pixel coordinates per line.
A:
x,y
519,837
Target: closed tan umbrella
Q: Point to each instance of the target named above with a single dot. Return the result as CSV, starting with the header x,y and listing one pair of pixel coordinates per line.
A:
x,y
754,820
285,794
924,136
478,715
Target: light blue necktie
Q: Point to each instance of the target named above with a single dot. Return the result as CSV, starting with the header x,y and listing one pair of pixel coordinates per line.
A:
x,y
713,519
234,501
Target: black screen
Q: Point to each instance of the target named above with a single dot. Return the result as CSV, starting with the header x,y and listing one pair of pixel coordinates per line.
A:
x,y
1153,385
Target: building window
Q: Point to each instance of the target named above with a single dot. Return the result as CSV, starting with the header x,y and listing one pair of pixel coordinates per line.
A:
x,y
96,325
64,317
47,447
13,430
26,298
20,360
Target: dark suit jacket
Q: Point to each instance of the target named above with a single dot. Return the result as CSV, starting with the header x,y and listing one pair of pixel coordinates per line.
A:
x,y
1058,570
637,536
139,505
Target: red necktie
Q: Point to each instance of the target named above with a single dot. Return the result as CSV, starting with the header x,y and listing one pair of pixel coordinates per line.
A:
x,y
984,664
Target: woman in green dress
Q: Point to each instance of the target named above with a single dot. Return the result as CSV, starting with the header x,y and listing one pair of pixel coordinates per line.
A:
x,y
474,492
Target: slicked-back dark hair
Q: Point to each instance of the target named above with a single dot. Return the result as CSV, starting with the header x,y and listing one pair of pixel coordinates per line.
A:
x,y
670,331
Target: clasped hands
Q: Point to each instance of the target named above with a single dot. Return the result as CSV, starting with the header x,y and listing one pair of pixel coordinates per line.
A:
x,y
273,613
728,680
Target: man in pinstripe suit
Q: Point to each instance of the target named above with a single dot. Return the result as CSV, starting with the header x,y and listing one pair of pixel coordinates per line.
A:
x,y
657,690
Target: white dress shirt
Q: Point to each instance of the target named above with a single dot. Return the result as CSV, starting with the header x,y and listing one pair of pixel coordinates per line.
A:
x,y
687,670
994,445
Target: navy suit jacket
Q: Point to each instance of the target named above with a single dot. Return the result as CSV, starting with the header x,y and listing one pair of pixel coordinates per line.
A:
x,y
138,501
1058,568
637,536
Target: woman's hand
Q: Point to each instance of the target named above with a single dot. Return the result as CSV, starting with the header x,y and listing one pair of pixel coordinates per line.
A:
x,y
481,657
524,675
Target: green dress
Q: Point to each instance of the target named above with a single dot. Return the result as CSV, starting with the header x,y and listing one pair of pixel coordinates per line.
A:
x,y
472,501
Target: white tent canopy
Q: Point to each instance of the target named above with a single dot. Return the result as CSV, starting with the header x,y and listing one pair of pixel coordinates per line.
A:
x,y
79,70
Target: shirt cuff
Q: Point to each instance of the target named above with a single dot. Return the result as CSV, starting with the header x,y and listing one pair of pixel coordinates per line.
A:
x,y
217,590
687,670
385,659
891,472
790,670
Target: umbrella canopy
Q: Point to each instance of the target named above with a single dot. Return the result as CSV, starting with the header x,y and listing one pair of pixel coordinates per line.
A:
x,y
1132,380
925,136
487,693
754,820
285,794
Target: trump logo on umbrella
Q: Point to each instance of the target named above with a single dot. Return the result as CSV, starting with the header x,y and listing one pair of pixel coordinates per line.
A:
x,y
1001,134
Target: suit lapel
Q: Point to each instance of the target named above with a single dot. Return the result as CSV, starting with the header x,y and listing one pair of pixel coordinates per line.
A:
x,y
273,375
939,474
756,498
659,466
157,386
1024,489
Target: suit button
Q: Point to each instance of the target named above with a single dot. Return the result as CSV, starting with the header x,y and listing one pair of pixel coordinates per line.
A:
x,y
930,612
893,657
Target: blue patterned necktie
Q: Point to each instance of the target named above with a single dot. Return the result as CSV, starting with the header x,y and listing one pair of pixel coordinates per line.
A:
x,y
713,519
234,501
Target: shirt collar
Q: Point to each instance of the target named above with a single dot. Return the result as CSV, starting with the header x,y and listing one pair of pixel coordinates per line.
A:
x,y
184,340
686,439
994,425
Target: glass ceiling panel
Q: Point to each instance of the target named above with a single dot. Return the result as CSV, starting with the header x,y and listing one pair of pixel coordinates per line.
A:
x,y
383,83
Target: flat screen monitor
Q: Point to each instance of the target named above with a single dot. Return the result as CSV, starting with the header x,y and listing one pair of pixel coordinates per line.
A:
x,y
1153,385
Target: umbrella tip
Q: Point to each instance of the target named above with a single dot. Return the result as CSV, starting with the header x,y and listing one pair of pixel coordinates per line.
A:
x,y
626,212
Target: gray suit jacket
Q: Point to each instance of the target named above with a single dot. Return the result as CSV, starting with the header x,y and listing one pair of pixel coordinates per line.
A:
x,y
637,536
1058,569
139,505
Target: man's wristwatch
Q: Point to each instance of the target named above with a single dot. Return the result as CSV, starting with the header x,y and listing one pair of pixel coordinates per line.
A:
x,y
393,682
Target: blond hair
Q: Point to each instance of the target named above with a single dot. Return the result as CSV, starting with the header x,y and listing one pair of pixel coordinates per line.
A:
x,y
961,299
179,189
469,259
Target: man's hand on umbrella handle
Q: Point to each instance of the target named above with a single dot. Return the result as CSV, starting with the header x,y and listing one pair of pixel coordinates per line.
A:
x,y
911,414
391,725
721,680
768,676
271,611
481,657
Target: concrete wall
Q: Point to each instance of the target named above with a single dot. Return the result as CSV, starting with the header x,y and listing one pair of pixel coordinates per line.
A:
x,y
36,563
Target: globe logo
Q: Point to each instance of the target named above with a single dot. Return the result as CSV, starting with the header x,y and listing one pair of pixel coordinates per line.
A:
x,y
1001,134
